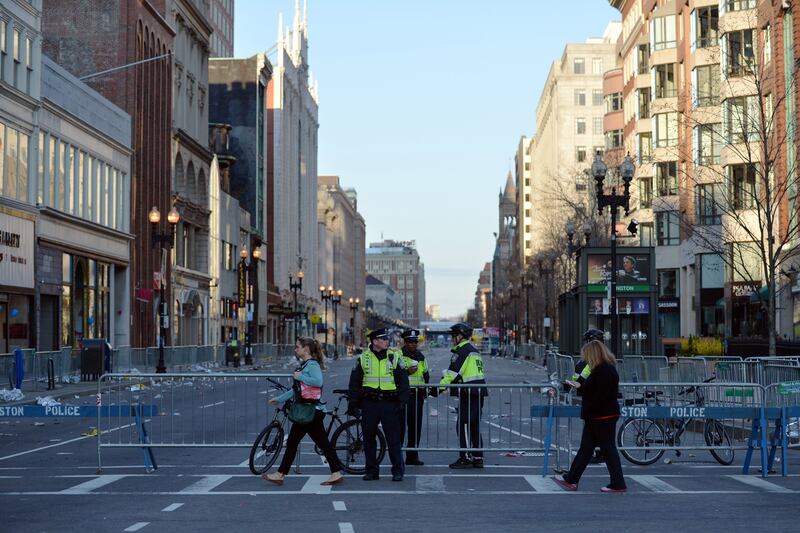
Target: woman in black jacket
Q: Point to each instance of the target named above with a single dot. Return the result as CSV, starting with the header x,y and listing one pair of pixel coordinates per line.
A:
x,y
599,411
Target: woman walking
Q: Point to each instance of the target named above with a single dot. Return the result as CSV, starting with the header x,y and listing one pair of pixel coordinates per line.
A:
x,y
599,411
307,387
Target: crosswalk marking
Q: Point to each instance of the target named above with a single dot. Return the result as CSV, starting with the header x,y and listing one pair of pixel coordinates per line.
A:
x,y
346,527
654,483
205,484
543,484
171,507
313,486
88,486
137,526
760,483
430,483
339,506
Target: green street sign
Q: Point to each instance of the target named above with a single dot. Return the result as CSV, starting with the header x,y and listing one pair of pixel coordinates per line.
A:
x,y
621,289
789,387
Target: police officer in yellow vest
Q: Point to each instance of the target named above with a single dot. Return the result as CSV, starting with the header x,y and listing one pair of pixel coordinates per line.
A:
x,y
466,366
411,419
379,386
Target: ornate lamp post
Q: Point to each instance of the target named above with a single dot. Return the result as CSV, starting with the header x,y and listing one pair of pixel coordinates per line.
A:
x,y
251,271
323,293
296,286
353,310
336,299
613,201
545,267
572,248
163,240
527,283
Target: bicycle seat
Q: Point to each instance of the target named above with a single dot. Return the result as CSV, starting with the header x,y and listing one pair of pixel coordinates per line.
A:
x,y
341,391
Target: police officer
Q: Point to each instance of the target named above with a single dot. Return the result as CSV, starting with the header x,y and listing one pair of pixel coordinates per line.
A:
x,y
582,373
379,386
411,418
466,366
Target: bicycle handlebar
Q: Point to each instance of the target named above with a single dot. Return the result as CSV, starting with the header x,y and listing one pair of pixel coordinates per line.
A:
x,y
281,386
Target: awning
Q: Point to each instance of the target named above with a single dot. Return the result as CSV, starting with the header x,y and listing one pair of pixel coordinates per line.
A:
x,y
762,295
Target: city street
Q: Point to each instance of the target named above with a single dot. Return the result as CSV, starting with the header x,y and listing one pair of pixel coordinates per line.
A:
x,y
53,467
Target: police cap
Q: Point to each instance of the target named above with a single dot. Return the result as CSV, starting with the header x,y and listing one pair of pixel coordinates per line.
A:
x,y
380,333
410,335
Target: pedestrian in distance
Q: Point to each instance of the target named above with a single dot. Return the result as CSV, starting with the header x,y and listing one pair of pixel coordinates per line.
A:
x,y
418,377
307,388
379,387
599,411
466,366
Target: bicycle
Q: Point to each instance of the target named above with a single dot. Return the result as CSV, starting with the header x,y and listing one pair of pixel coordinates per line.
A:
x,y
643,432
347,440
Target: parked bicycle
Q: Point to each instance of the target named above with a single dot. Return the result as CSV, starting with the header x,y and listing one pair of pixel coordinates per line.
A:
x,y
347,440
648,438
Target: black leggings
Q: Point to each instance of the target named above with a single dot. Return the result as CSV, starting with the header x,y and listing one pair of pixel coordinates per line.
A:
x,y
598,433
315,430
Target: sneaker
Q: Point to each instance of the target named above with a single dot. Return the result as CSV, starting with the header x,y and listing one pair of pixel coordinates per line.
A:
x,y
461,464
477,463
609,489
564,483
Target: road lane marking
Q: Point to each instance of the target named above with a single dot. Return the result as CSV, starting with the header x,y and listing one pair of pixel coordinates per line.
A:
x,y
518,434
137,526
211,405
339,506
206,484
654,483
63,443
430,483
543,484
88,486
171,507
346,527
313,486
760,483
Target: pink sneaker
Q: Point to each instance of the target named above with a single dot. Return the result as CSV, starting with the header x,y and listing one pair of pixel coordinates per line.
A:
x,y
564,483
609,489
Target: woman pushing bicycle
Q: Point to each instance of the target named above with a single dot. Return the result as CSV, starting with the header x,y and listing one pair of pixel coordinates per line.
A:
x,y
306,393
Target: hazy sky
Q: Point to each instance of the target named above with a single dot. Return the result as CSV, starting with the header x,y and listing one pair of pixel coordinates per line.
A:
x,y
422,103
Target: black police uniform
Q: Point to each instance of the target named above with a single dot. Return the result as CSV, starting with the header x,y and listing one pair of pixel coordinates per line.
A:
x,y
411,418
380,407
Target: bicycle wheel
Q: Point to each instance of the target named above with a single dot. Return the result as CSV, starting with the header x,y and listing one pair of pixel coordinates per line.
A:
x,y
348,443
641,433
266,448
716,435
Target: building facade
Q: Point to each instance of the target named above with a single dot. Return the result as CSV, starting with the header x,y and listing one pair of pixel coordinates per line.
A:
x,y
220,16
342,234
398,264
523,171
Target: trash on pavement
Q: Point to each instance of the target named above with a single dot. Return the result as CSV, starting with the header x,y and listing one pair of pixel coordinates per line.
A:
x,y
38,423
91,433
434,412
47,401
10,395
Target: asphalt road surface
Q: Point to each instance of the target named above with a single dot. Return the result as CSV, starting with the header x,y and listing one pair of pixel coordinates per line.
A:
x,y
49,477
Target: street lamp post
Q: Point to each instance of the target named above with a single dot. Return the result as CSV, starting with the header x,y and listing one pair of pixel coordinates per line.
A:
x,y
336,299
613,201
296,286
545,270
249,309
572,248
325,297
163,240
353,309
527,283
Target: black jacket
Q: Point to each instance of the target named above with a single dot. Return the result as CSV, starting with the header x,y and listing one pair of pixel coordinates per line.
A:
x,y
600,393
357,378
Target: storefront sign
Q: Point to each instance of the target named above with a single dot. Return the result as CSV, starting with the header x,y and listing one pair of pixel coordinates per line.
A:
x,y
621,288
16,251
242,284
668,304
742,290
280,310
632,269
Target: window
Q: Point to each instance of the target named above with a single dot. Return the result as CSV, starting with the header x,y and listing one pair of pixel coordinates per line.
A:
x,y
707,207
643,102
8,181
709,144
666,131
597,125
580,97
643,58
597,97
613,102
527,212
582,181
3,32
578,66
580,154
707,23
740,5
663,32
741,116
597,65
16,45
645,145
707,92
580,126
22,173
741,55
527,180
28,52
598,150
527,197
767,44
665,81
743,183
645,193
667,228
613,139
646,234
667,178
668,283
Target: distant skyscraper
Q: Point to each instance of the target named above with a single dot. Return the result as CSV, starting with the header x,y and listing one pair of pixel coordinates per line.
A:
x,y
398,264
220,14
